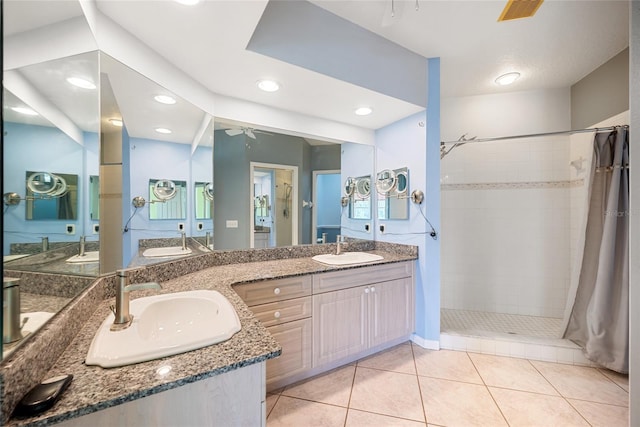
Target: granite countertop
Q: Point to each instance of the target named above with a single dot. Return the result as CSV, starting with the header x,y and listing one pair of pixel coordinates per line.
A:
x,y
94,388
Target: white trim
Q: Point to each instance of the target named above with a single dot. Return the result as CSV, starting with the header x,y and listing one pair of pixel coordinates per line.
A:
x,y
428,344
294,199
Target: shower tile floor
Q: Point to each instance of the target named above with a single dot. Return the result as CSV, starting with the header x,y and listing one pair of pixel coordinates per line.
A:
x,y
531,337
481,323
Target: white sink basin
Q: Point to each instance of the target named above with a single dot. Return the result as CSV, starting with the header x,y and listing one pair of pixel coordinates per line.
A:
x,y
170,251
164,325
91,256
347,258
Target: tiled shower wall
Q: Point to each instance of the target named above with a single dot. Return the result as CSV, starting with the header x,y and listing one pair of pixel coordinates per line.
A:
x,y
513,214
506,226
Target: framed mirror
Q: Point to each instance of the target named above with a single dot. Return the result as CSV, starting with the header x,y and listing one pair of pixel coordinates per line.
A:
x,y
51,196
360,200
393,194
49,126
203,200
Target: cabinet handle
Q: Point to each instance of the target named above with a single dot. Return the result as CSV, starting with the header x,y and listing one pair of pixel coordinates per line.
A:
x,y
373,289
276,314
276,291
366,290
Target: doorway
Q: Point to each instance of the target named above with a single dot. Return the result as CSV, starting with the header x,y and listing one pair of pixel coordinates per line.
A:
x,y
274,206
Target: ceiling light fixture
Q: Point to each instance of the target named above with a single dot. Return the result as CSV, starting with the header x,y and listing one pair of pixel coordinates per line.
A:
x,y
363,111
268,85
165,99
82,83
25,111
116,122
163,130
507,79
188,2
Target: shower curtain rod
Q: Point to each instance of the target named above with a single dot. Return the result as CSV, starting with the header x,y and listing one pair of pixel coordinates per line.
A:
x,y
533,135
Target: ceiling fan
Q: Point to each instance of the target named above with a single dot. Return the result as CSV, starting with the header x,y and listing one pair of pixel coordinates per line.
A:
x,y
250,132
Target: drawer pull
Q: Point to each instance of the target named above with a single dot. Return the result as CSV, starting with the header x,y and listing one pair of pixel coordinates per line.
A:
x,y
366,290
276,291
373,289
276,314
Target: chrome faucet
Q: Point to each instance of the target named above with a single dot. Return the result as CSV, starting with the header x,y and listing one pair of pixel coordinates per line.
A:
x,y
81,252
339,242
184,241
123,317
11,327
45,244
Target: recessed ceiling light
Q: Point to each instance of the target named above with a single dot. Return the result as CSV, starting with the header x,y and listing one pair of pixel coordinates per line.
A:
x,y
364,111
268,85
80,82
24,110
116,122
165,99
163,130
507,79
188,2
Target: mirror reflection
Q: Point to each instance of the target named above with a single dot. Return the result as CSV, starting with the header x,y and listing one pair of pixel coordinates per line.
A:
x,y
203,199
168,199
393,194
167,146
360,199
51,137
51,196
50,142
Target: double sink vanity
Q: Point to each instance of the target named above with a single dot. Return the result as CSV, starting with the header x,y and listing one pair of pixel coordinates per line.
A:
x,y
297,317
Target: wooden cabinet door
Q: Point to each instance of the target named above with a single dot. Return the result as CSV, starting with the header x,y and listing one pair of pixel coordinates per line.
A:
x,y
340,324
391,310
295,339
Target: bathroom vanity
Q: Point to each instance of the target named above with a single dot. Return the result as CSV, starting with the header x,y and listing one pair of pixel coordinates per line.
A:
x,y
317,316
328,319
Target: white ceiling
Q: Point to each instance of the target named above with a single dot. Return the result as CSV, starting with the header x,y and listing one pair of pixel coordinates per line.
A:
x,y
562,43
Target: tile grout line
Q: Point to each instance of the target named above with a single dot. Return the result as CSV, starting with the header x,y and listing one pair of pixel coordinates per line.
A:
x,y
611,379
415,367
353,383
558,391
504,417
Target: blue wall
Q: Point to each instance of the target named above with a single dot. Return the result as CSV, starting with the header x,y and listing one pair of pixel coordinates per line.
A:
x,y
153,159
328,188
43,148
407,143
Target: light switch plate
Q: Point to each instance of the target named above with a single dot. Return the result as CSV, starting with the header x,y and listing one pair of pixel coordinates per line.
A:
x,y
232,223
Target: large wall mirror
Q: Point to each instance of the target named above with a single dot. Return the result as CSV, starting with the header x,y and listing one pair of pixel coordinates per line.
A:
x,y
167,146
50,148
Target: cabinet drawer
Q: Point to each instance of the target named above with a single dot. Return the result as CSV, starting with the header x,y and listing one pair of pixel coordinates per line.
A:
x,y
279,312
274,290
343,279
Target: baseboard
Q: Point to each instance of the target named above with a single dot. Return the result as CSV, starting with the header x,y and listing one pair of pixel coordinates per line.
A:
x,y
428,344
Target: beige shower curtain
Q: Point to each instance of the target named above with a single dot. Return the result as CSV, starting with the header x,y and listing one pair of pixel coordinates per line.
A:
x,y
597,315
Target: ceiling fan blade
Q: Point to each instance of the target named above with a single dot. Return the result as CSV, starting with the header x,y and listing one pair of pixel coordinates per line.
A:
x,y
250,133
262,132
233,132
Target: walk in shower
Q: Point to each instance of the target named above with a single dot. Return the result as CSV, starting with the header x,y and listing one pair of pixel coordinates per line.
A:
x,y
512,212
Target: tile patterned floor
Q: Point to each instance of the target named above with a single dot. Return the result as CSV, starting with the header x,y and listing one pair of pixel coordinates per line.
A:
x,y
410,386
478,323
